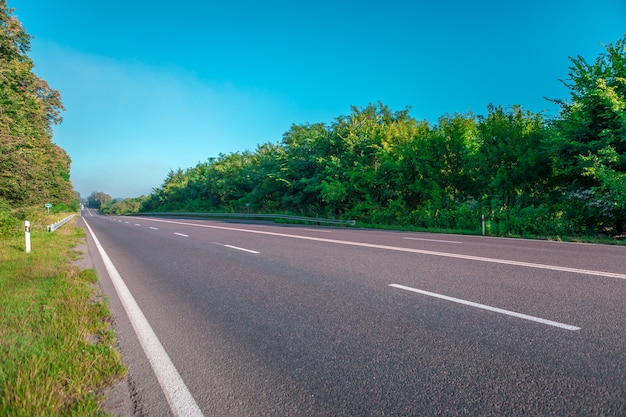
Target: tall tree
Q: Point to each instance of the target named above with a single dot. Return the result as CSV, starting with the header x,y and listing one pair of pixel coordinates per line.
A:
x,y
454,147
267,178
590,140
97,199
307,152
515,164
32,168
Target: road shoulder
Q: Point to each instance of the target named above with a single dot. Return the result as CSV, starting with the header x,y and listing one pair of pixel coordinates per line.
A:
x,y
118,397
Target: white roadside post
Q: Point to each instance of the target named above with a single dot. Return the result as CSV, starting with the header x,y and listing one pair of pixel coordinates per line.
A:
x,y
483,222
27,231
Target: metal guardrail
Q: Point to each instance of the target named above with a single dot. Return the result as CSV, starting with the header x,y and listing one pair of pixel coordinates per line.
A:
x,y
318,220
54,226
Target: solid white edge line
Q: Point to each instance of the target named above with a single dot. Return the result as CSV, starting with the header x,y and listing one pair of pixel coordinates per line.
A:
x,y
410,250
489,308
178,396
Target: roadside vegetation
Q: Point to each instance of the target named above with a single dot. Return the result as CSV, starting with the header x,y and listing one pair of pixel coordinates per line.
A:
x,y
57,346
529,174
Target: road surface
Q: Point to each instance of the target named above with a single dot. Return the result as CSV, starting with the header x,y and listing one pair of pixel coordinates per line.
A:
x,y
269,320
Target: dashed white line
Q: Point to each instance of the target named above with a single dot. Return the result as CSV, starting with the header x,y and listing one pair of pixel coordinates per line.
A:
x,y
154,228
238,248
241,249
409,250
489,308
181,234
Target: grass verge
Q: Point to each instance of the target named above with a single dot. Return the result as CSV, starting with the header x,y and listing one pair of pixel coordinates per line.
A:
x,y
56,342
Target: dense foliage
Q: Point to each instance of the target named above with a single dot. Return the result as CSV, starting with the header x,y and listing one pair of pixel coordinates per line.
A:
x,y
118,207
98,199
124,206
33,170
527,173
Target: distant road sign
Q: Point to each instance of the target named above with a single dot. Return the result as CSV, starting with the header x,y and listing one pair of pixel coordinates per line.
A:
x,y
48,205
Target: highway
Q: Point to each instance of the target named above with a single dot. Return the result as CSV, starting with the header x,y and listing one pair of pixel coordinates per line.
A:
x,y
260,319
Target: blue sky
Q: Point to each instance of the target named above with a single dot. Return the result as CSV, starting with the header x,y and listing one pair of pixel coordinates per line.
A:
x,y
153,86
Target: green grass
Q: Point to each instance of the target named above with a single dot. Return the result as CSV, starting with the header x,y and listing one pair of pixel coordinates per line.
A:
x,y
56,342
604,240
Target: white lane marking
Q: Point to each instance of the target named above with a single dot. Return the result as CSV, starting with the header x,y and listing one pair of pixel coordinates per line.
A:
x,y
237,248
432,240
410,250
137,224
241,249
178,396
489,308
154,228
181,234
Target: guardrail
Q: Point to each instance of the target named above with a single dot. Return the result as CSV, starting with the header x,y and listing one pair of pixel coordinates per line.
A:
x,y
318,220
55,226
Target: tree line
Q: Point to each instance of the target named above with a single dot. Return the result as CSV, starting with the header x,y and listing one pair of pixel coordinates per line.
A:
x,y
526,172
33,170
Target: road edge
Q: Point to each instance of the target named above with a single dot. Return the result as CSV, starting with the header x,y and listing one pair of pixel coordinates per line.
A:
x,y
118,397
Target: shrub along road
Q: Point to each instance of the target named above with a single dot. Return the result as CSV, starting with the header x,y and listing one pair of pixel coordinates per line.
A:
x,y
260,319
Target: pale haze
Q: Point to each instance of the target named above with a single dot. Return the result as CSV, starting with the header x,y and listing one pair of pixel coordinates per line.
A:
x,y
153,86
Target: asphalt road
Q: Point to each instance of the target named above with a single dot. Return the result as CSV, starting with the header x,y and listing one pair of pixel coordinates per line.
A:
x,y
270,320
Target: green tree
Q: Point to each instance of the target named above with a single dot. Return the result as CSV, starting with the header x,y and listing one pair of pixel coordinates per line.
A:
x,y
454,150
98,199
268,184
32,168
124,206
514,165
307,152
357,179
589,144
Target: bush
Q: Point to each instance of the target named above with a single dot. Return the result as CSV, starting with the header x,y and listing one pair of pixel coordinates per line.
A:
x,y
9,222
64,208
528,221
